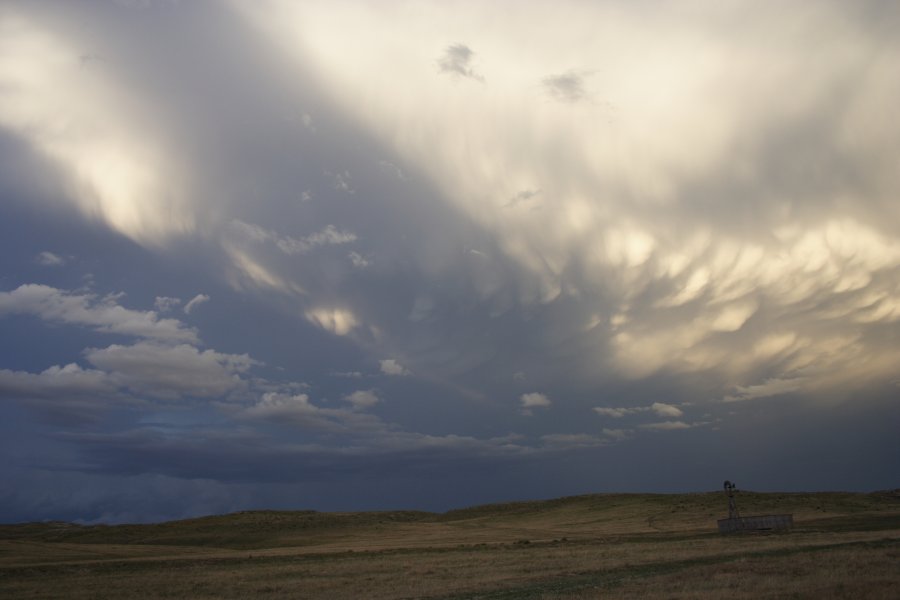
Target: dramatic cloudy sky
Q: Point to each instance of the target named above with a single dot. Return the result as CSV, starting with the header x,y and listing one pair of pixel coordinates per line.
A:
x,y
359,255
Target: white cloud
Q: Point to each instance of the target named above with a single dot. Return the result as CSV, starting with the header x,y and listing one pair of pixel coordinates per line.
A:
x,y
572,440
771,387
49,259
615,413
617,434
358,260
248,270
170,372
666,410
667,425
533,400
54,305
298,411
342,182
347,374
55,382
391,366
328,236
195,302
395,171
165,303
362,399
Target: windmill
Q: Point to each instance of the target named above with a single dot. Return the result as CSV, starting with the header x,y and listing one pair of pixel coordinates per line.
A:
x,y
730,489
735,522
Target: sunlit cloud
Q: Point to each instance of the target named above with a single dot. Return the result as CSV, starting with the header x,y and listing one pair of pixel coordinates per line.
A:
x,y
195,302
336,320
640,218
117,169
391,366
533,400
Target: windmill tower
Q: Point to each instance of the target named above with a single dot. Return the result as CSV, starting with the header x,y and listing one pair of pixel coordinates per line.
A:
x,y
730,489
735,522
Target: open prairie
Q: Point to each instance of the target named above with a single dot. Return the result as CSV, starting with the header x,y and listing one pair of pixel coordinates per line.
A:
x,y
843,545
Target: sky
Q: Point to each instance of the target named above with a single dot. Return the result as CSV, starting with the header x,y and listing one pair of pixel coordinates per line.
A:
x,y
355,255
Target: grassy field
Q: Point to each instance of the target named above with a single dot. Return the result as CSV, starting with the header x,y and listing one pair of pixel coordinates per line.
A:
x,y
600,546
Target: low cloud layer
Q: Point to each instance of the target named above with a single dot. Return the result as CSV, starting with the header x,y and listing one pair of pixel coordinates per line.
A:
x,y
86,310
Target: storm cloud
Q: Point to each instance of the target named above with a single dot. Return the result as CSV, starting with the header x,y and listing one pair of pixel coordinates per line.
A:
x,y
250,247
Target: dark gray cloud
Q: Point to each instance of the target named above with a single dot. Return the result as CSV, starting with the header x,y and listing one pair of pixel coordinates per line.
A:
x,y
461,293
457,60
567,87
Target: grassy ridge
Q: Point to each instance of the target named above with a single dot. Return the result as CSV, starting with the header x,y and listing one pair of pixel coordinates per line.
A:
x,y
620,545
597,513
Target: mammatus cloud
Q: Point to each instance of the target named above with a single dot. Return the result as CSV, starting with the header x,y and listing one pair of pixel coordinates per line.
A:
x,y
195,302
718,243
100,314
336,320
726,257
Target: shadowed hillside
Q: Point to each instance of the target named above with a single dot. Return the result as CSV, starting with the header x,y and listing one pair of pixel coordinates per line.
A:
x,y
541,549
572,517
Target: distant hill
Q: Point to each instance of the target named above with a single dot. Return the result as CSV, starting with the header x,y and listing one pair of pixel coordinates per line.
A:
x,y
572,518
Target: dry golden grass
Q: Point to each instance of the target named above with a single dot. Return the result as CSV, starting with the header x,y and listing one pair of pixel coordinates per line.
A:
x,y
587,547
